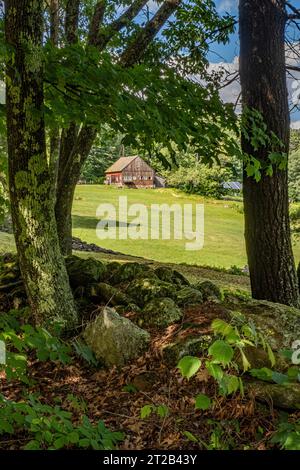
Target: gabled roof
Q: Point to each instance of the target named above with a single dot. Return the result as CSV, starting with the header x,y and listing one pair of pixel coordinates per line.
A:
x,y
120,164
232,185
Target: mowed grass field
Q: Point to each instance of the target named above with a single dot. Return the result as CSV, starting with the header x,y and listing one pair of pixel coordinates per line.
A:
x,y
224,244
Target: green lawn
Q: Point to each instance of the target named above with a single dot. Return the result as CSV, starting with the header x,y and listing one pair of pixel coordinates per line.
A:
x,y
223,244
224,240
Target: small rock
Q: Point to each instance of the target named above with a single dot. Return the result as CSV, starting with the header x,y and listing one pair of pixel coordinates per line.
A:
x,y
171,275
189,296
172,353
115,340
109,294
161,313
144,290
128,272
129,308
145,381
210,291
83,272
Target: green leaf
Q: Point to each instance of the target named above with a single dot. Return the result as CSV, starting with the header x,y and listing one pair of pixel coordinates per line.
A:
x,y
293,373
190,436
129,388
84,443
73,437
60,442
189,366
221,352
6,427
162,411
262,374
214,370
229,384
271,355
292,441
246,363
32,445
203,402
146,411
221,327
279,378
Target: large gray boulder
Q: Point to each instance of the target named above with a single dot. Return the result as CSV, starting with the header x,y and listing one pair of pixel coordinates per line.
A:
x,y
161,313
279,324
285,396
115,340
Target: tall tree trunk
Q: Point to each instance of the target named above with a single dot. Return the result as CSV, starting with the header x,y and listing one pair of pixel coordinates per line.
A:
x,y
264,88
54,133
31,186
71,160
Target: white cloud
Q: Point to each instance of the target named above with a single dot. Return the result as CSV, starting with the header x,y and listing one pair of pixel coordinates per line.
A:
x,y
295,125
231,93
227,6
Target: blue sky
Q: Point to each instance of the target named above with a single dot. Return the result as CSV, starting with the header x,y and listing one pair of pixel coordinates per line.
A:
x,y
227,52
227,56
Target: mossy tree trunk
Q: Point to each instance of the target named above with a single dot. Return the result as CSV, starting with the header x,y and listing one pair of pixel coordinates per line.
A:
x,y
31,183
264,88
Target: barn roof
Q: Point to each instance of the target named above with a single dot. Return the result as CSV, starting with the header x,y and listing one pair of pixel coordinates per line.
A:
x,y
232,185
120,164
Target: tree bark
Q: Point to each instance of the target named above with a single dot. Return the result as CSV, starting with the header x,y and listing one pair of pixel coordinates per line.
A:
x,y
70,166
54,133
264,88
30,183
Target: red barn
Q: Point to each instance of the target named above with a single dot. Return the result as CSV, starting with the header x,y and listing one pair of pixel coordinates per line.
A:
x,y
132,172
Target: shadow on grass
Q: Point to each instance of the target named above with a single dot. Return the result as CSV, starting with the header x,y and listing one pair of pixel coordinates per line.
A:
x,y
86,222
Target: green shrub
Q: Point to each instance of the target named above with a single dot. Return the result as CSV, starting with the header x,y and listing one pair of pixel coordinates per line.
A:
x,y
200,179
48,427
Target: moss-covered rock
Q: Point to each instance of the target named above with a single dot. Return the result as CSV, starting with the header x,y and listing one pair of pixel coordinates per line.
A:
x,y
161,313
286,396
188,296
259,358
144,290
171,275
278,323
108,294
172,353
129,308
112,269
9,269
209,290
129,271
83,272
115,340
